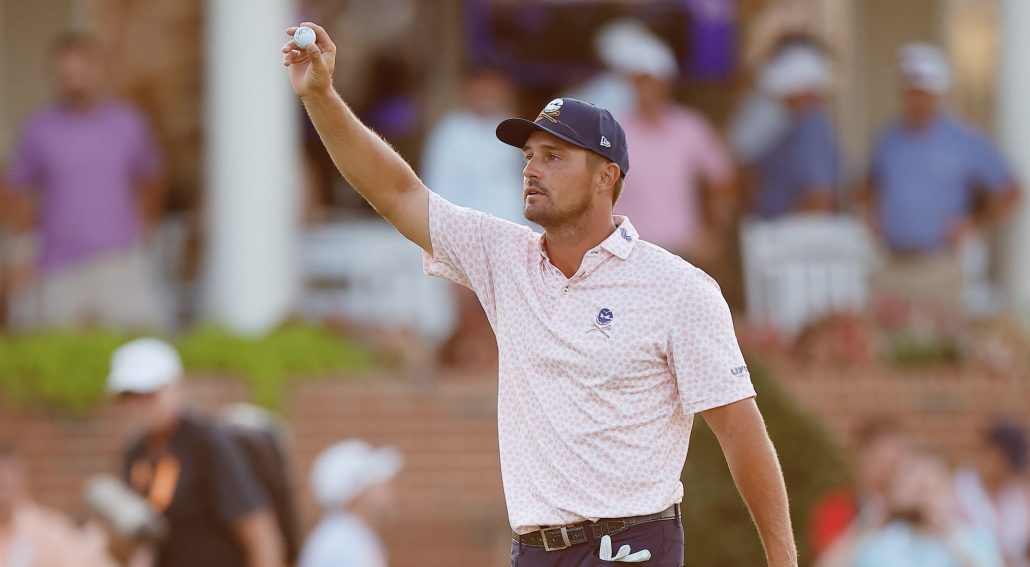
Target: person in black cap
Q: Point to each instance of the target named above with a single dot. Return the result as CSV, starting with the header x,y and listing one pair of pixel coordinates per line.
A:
x,y
607,345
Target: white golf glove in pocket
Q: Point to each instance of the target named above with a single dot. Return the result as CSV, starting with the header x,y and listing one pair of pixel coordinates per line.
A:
x,y
624,555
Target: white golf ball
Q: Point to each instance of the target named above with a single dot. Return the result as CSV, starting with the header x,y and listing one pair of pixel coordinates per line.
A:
x,y
304,36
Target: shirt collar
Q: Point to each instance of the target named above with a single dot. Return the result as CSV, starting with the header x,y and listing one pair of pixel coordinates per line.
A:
x,y
619,243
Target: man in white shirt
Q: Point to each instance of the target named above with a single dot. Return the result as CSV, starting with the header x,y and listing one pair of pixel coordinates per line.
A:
x,y
608,345
351,481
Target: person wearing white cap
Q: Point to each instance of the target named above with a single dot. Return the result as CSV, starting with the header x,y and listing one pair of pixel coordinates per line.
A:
x,y
189,469
352,483
799,172
680,161
933,184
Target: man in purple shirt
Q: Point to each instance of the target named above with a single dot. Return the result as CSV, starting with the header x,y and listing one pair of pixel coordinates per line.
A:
x,y
934,183
85,177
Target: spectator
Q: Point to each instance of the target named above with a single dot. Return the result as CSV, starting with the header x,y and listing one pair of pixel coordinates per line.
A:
x,y
799,172
189,469
262,437
614,45
759,118
992,494
842,517
682,162
86,170
34,536
923,528
492,182
352,483
927,173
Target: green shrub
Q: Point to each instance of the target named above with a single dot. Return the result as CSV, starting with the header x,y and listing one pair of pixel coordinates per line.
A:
x,y
718,529
66,371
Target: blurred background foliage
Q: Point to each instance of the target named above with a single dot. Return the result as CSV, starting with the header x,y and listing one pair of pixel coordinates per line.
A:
x,y
717,526
66,370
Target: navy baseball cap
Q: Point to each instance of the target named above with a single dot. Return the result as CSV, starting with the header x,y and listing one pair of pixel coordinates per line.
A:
x,y
578,123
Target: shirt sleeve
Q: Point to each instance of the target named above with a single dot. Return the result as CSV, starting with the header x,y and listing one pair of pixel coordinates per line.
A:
x,y
235,490
26,166
704,354
989,170
146,158
469,247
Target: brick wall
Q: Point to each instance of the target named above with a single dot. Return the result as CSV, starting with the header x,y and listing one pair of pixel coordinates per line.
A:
x,y
450,490
944,408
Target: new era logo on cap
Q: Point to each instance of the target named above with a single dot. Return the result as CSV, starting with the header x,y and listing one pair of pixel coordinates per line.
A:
x,y
579,123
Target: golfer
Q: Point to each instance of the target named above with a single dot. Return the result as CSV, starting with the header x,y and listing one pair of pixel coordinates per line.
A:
x,y
608,345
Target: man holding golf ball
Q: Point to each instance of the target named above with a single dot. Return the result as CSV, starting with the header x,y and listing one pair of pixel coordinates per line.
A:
x,y
608,345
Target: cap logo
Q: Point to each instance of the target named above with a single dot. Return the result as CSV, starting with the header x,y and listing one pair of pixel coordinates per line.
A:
x,y
605,142
552,110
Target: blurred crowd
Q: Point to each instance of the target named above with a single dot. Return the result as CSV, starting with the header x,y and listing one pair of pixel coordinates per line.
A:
x,y
197,491
83,191
909,507
81,202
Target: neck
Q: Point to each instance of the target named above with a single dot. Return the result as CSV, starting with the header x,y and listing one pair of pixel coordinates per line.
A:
x,y
920,123
651,111
362,514
161,434
6,516
81,102
567,244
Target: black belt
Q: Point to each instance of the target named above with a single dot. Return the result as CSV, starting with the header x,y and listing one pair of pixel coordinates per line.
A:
x,y
561,537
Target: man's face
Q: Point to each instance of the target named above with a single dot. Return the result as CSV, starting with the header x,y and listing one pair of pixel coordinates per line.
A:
x,y
557,180
919,106
151,412
651,91
78,73
488,93
879,460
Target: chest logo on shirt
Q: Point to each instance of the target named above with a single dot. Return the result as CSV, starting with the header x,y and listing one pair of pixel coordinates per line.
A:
x,y
739,371
603,322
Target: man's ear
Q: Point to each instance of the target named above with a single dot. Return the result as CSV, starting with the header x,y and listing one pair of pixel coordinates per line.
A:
x,y
608,176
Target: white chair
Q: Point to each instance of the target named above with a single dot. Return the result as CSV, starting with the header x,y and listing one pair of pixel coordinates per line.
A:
x,y
802,267
365,271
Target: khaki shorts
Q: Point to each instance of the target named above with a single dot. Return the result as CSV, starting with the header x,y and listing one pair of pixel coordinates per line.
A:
x,y
114,290
934,281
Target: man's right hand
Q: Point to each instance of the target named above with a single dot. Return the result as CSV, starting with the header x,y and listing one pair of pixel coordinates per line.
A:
x,y
311,69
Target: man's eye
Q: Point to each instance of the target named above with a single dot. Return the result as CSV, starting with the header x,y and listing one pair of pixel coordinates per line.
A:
x,y
553,157
527,157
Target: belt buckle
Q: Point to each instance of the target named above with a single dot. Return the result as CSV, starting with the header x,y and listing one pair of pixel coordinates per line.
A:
x,y
564,536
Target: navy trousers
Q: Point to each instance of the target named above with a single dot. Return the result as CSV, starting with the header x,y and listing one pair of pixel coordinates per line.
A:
x,y
663,538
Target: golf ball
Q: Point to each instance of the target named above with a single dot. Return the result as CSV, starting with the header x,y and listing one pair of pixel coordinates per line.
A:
x,y
304,36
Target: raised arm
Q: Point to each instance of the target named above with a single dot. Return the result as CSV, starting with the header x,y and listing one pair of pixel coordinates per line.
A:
x,y
368,163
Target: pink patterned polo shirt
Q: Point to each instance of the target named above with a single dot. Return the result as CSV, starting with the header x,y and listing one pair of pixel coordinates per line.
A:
x,y
599,374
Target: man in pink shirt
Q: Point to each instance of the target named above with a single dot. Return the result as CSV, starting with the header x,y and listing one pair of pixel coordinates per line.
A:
x,y
681,190
608,345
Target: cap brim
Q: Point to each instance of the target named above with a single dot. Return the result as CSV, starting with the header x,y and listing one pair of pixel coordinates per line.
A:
x,y
515,132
